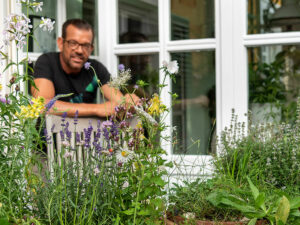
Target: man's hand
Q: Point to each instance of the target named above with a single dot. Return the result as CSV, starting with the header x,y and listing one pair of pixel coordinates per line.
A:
x,y
132,99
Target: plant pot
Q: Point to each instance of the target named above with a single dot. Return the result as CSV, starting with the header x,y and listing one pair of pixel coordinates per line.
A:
x,y
177,220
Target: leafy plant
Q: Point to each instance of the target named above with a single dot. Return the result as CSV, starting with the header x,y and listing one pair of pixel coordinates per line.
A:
x,y
277,212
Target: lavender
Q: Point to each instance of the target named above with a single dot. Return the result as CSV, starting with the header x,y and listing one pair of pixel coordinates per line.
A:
x,y
76,117
87,136
48,138
68,132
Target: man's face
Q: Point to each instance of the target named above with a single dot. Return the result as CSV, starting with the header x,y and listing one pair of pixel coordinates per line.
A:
x,y
75,48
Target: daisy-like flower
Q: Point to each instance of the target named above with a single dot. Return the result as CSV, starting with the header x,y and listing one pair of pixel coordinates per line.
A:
x,y
47,24
172,67
124,155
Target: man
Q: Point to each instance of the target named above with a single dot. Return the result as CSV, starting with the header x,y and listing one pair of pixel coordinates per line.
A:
x,y
64,73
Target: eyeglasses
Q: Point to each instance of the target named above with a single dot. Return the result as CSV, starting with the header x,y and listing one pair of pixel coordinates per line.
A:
x,y
74,45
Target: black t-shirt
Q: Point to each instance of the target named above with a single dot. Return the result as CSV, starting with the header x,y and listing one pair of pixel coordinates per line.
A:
x,y
84,85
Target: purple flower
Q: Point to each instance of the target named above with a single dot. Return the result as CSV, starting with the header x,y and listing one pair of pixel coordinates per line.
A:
x,y
63,118
50,104
121,67
87,136
107,124
76,118
48,138
4,100
87,65
136,86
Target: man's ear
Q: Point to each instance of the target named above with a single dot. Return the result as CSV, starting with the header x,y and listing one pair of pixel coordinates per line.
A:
x,y
60,42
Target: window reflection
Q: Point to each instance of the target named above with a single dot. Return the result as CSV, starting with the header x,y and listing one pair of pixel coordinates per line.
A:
x,y
274,82
268,16
194,112
143,67
87,10
44,41
138,21
192,19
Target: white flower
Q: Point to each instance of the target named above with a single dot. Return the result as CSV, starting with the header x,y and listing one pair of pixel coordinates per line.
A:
x,y
65,144
124,155
47,24
121,80
172,67
96,171
16,27
125,184
38,6
67,155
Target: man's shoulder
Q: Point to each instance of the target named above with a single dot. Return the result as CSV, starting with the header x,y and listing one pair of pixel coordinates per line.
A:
x,y
49,55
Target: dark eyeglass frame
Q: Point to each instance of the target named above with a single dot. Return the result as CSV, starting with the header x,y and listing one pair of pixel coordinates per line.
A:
x,y
74,45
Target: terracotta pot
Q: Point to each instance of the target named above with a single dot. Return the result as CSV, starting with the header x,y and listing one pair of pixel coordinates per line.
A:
x,y
177,220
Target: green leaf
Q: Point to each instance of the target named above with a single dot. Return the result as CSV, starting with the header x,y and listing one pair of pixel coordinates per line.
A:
x,y
260,201
129,212
283,210
4,221
254,190
295,203
159,181
252,221
144,212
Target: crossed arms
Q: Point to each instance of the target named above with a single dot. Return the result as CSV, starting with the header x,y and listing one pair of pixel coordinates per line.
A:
x,y
45,88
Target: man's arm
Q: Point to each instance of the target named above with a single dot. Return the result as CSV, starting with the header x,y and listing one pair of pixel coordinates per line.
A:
x,y
45,88
114,95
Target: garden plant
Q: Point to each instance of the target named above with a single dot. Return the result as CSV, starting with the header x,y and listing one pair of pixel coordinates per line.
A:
x,y
121,182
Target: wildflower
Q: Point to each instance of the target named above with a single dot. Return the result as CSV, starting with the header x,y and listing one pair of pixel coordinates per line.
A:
x,y
0,87
172,67
124,155
65,143
0,205
16,27
156,106
76,118
33,110
47,24
87,65
67,155
110,150
121,80
4,100
136,86
96,171
37,6
121,67
106,124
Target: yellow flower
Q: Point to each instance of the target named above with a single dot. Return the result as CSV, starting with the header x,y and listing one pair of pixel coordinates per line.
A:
x,y
32,111
0,87
0,205
156,106
139,125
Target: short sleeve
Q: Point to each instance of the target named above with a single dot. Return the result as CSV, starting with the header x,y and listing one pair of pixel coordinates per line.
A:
x,y
102,73
42,68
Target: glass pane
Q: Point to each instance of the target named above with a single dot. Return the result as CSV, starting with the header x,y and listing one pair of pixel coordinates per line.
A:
x,y
138,21
194,112
272,16
87,10
45,41
143,67
274,82
192,19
